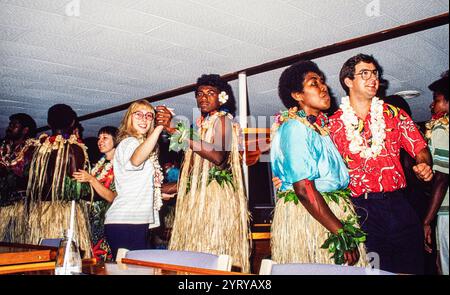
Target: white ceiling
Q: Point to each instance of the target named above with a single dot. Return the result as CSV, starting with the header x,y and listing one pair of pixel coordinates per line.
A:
x,y
117,51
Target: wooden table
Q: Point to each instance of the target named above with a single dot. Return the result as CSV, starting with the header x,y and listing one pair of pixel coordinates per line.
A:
x,y
23,257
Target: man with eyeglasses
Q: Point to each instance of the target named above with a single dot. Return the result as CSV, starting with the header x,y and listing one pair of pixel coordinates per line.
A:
x,y
369,135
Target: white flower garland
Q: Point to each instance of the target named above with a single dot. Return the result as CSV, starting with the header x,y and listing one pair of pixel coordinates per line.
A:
x,y
377,128
158,178
105,170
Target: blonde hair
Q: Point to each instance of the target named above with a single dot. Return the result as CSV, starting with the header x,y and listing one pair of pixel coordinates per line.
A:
x,y
126,127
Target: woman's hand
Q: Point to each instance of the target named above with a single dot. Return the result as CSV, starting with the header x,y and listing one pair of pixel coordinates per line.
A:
x,y
83,176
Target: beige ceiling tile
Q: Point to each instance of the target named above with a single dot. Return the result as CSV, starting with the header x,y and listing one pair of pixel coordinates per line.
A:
x,y
270,13
101,13
39,21
10,33
124,40
54,6
347,12
122,3
438,37
191,37
405,11
53,56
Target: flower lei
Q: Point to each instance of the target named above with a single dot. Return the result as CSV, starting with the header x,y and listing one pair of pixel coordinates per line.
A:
x,y
205,122
158,177
102,170
294,113
353,127
64,187
441,120
8,154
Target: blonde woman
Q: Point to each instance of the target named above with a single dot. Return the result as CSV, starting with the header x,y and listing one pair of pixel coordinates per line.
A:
x,y
137,177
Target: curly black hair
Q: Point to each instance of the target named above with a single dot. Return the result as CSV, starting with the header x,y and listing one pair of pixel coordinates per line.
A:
x,y
61,117
348,69
26,121
292,78
216,81
441,85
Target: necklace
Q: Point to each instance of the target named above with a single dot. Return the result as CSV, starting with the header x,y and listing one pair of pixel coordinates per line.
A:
x,y
208,121
353,127
102,169
441,120
319,123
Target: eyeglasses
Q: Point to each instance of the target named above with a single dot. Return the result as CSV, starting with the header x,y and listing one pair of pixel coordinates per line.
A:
x,y
209,94
367,74
140,116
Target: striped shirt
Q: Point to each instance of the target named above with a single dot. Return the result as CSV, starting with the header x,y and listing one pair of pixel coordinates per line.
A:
x,y
134,186
439,151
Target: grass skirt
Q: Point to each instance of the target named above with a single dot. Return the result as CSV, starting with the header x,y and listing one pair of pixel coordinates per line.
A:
x,y
13,223
215,227
51,220
296,236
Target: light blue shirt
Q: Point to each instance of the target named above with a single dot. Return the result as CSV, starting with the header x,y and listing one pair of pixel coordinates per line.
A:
x,y
298,152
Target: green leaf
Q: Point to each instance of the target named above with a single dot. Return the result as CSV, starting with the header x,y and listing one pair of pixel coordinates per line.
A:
x,y
178,140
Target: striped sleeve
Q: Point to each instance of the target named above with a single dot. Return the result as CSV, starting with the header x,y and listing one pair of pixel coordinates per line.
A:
x,y
125,150
439,149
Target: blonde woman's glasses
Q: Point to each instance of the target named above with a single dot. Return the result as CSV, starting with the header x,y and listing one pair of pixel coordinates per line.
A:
x,y
140,115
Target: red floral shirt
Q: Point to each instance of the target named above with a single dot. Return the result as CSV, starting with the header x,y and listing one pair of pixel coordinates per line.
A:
x,y
385,172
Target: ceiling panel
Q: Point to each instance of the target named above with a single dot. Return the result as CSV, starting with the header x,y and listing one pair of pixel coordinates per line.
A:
x,y
269,13
105,14
54,6
187,12
124,40
351,11
40,21
405,11
191,37
53,56
10,33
